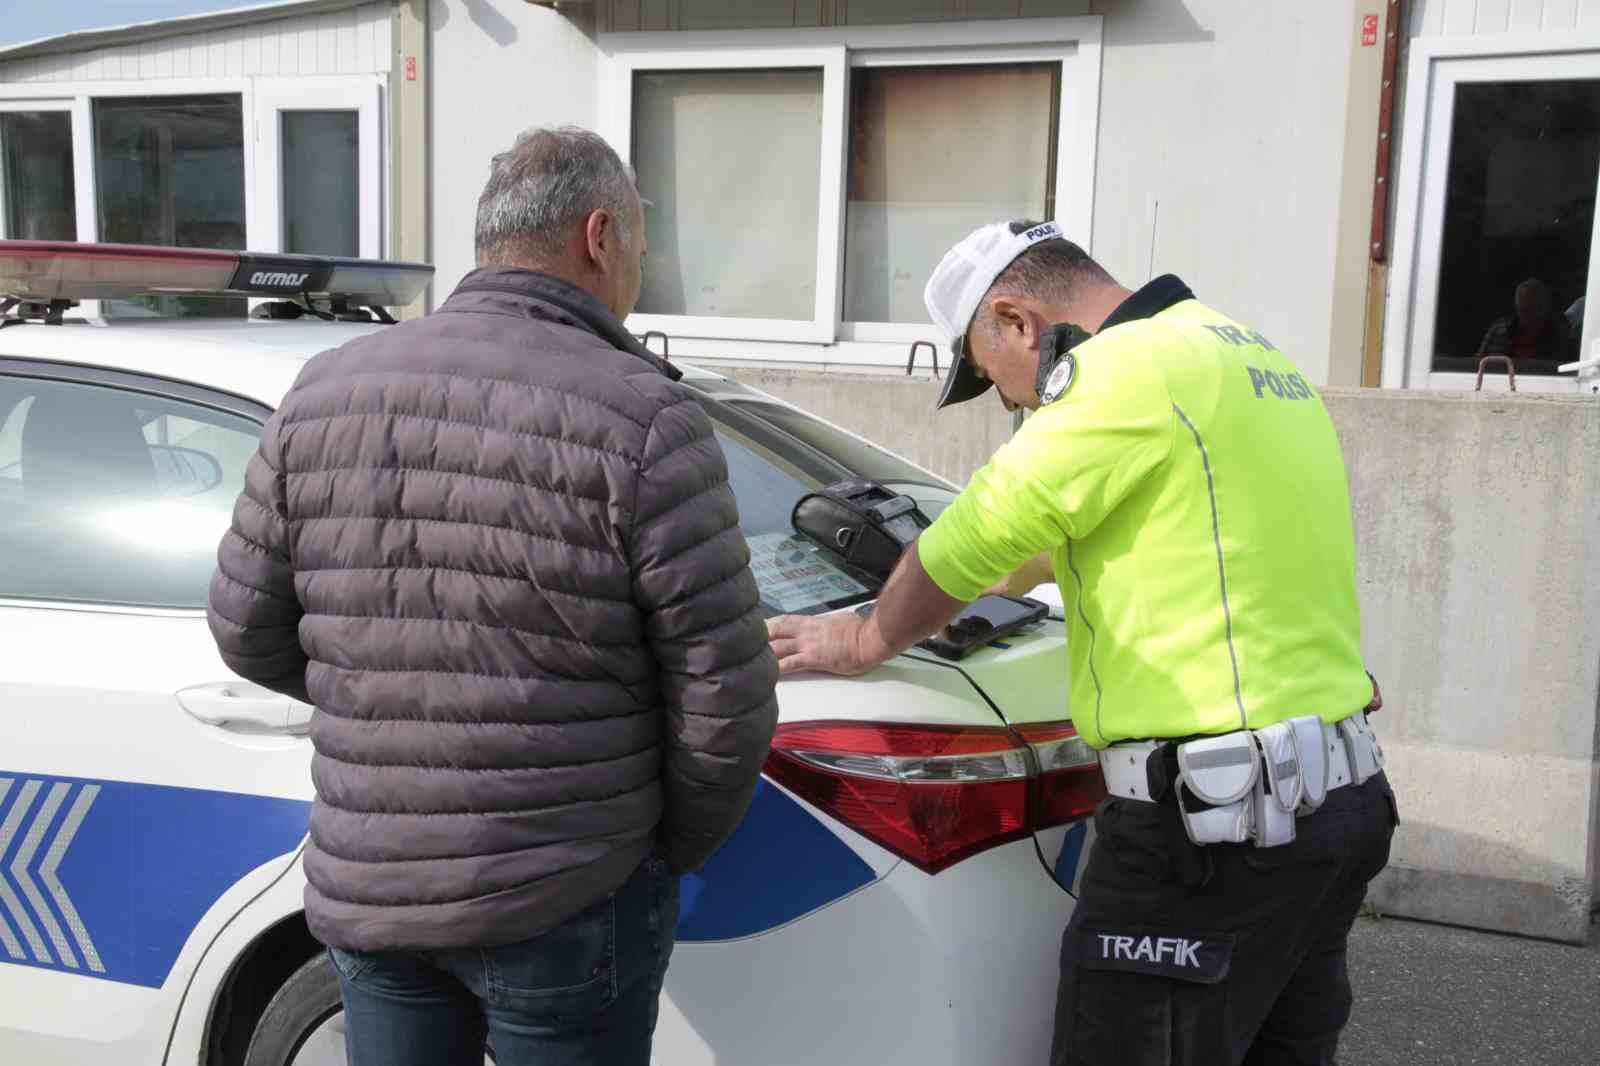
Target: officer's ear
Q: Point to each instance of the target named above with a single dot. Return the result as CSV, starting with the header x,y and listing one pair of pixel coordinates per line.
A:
x,y
1019,324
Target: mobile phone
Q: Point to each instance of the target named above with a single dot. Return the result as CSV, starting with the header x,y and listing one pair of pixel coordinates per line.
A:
x,y
986,620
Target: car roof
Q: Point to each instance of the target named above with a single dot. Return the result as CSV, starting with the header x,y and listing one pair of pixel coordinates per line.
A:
x,y
257,359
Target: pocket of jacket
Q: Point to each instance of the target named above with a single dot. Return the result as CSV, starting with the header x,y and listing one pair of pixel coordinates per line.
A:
x,y
568,973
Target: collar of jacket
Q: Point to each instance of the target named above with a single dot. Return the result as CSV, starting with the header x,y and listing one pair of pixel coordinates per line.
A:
x,y
572,306
1155,297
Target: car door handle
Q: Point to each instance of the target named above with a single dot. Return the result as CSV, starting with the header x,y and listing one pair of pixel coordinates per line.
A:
x,y
241,705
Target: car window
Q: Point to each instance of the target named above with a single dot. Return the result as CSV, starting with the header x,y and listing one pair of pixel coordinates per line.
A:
x,y
114,496
864,458
770,466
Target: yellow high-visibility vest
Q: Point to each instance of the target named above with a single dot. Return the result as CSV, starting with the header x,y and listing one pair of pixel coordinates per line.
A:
x,y
1190,487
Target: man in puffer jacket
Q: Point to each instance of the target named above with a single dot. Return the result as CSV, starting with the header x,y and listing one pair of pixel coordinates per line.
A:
x,y
497,550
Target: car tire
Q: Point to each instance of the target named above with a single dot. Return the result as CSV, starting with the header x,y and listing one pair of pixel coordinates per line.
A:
x,y
301,1009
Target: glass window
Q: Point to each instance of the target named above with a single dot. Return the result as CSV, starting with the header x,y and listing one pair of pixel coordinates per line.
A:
x,y
321,183
1518,218
935,152
863,458
775,456
113,496
36,157
731,160
171,172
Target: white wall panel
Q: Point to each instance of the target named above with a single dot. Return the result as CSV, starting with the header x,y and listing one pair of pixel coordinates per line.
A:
x,y
355,41
1465,18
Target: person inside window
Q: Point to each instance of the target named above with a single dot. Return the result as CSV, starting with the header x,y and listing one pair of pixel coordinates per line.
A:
x,y
1532,331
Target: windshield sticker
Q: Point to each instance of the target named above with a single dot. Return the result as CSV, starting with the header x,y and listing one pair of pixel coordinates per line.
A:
x,y
793,574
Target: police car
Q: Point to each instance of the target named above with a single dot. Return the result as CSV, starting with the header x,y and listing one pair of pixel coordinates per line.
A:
x,y
896,894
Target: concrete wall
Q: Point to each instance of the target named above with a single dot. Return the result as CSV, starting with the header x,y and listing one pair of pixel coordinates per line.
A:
x,y
1480,586
896,412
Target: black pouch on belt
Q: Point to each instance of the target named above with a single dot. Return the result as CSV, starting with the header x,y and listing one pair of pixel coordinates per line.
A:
x,y
862,521
1191,863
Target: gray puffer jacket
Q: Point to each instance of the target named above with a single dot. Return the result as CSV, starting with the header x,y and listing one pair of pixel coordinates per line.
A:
x,y
497,550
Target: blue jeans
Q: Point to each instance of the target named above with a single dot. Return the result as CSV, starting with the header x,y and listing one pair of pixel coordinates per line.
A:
x,y
583,994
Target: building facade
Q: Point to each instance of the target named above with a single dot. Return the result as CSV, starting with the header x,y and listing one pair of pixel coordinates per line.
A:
x,y
808,162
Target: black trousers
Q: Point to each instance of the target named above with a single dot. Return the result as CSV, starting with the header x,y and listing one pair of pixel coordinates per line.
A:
x,y
1224,955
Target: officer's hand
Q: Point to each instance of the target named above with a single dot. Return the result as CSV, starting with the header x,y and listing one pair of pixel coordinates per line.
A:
x,y
832,643
1027,577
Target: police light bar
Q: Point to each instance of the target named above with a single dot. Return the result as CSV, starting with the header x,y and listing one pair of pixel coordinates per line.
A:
x,y
60,270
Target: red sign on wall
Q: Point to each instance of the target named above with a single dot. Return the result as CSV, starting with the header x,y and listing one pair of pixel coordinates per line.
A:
x,y
411,67
1369,30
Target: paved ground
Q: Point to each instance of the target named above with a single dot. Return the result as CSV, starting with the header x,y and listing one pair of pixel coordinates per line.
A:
x,y
1434,994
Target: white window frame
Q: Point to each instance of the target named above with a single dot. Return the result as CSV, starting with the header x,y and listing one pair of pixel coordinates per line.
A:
x,y
82,142
1074,42
363,92
1437,65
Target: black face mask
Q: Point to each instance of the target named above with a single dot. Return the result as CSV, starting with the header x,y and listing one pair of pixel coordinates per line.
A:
x,y
1056,361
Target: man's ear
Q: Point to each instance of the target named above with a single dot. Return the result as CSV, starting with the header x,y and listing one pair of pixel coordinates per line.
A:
x,y
600,232
1017,322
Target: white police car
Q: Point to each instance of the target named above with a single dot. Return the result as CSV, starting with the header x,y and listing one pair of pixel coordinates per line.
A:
x,y
896,894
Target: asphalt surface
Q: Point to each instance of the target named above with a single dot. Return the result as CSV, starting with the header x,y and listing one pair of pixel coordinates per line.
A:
x,y
1435,994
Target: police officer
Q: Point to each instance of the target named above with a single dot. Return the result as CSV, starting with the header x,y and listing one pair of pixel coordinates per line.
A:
x,y
1184,485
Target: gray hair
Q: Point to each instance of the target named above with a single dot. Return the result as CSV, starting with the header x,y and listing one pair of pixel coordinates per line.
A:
x,y
546,183
1053,270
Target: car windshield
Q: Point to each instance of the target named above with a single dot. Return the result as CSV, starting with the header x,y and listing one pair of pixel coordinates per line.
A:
x,y
777,454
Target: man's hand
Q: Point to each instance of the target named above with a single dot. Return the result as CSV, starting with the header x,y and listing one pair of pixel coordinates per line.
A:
x,y
832,643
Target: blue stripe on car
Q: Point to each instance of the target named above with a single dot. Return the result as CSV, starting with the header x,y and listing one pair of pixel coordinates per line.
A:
x,y
781,863
1066,869
107,879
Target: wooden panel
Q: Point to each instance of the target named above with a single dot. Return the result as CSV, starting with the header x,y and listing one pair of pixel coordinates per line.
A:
x,y
879,12
1426,17
328,44
719,15
624,15
307,43
990,9
1559,15
1460,17
217,55
1494,16
366,57
352,41
1046,8
1526,15
344,48
654,14
252,55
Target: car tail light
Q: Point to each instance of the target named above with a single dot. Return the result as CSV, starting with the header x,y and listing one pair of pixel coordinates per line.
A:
x,y
935,795
1070,782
